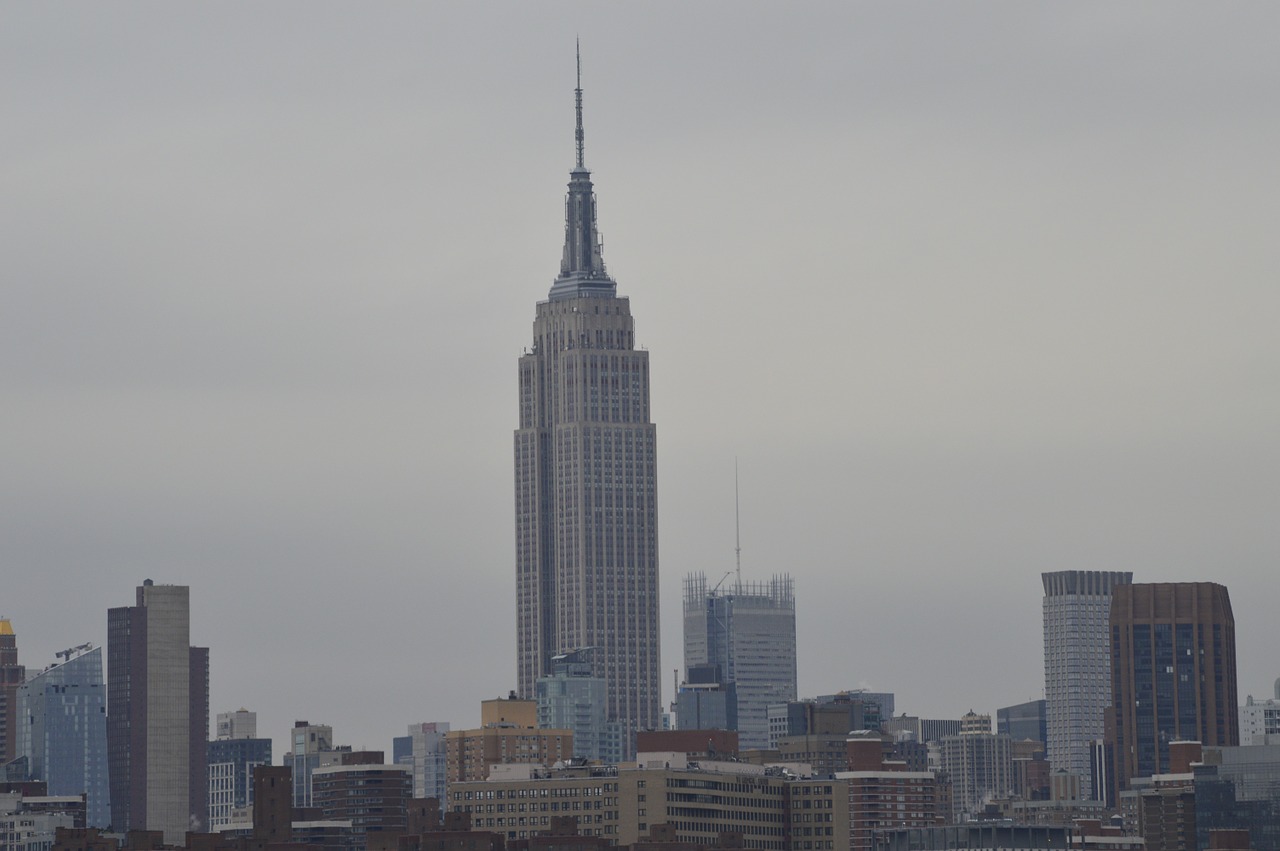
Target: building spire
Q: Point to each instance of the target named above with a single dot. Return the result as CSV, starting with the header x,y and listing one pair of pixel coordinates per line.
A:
x,y
582,271
579,135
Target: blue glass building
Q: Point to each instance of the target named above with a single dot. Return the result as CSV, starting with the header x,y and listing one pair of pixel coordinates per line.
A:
x,y
62,732
231,764
1239,789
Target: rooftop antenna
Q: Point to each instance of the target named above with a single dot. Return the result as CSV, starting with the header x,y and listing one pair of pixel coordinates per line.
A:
x,y
578,134
737,525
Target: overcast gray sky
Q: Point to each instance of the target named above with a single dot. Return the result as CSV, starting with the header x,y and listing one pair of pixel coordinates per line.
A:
x,y
972,291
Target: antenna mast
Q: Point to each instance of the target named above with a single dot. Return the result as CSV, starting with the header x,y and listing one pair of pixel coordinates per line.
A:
x,y
579,135
737,526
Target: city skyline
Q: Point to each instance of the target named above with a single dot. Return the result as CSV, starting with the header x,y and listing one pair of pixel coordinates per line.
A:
x,y
964,316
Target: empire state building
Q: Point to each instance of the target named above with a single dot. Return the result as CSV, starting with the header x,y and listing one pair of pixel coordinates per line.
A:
x,y
586,479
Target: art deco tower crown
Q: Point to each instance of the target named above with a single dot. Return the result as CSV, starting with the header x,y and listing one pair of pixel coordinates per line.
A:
x,y
582,269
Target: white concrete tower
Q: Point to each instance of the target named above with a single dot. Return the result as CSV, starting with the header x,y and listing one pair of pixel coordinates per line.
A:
x,y
1077,665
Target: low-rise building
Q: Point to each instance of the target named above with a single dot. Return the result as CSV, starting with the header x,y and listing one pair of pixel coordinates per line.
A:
x,y
699,801
31,822
1239,789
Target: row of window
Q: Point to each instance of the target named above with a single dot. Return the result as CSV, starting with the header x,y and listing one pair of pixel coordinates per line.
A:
x,y
549,792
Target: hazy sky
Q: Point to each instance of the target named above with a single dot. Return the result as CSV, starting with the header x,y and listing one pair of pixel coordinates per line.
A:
x,y
971,291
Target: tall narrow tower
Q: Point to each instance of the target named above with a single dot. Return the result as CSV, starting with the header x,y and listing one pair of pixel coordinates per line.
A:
x,y
11,676
1077,666
157,715
586,479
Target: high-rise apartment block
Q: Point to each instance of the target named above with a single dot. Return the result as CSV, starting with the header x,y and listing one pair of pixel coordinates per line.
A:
x,y
977,763
233,756
1077,665
586,480
1260,720
885,793
371,796
470,754
157,715
64,737
1173,670
11,676
311,747
240,724
574,698
426,758
748,630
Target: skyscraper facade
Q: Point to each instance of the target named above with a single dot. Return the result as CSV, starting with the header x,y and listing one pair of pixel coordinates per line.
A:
x,y
157,715
1239,788
586,480
311,747
427,758
705,702
749,631
240,724
978,765
233,756
11,676
1173,673
573,698
1077,666
64,734
1260,722
1023,721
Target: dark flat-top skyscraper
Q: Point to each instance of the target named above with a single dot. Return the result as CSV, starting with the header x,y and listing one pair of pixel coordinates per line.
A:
x,y
1173,667
585,470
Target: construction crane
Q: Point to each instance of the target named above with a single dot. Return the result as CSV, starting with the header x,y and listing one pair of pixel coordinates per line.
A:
x,y
70,651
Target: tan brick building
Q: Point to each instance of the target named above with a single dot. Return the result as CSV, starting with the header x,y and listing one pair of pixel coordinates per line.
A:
x,y
697,801
469,754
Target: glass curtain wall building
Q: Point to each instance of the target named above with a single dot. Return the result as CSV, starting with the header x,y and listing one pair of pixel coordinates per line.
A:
x,y
748,630
63,733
